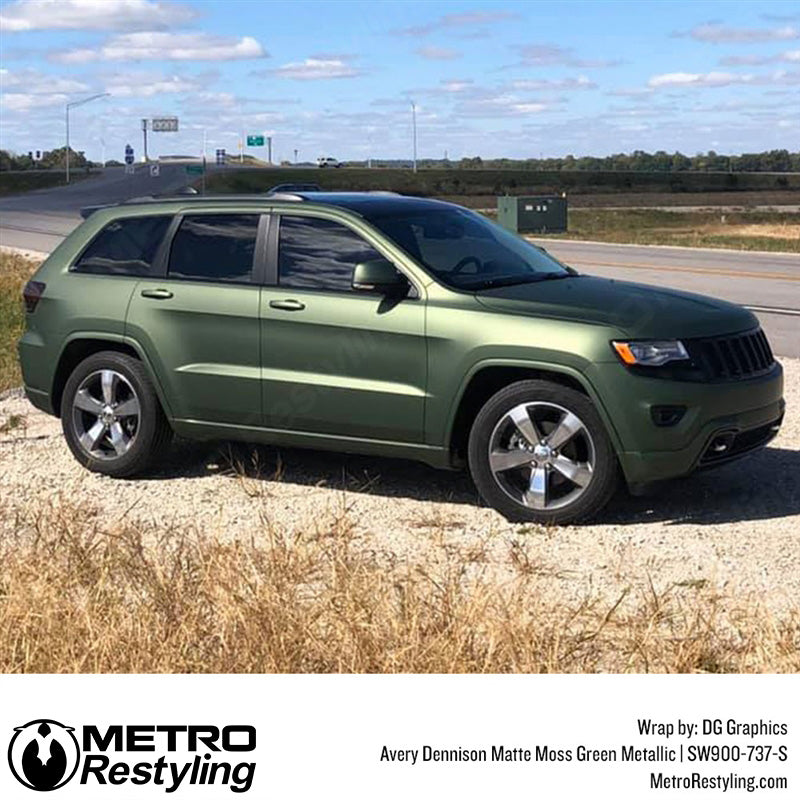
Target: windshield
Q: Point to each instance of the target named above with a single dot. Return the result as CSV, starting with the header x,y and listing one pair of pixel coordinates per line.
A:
x,y
464,250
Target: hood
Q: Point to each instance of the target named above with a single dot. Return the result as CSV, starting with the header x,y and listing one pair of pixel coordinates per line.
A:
x,y
637,310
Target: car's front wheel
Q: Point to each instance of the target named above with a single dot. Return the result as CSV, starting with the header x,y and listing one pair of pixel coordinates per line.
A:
x,y
539,452
111,417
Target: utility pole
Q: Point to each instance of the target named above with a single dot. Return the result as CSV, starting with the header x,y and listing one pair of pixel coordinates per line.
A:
x,y
144,134
203,181
269,149
414,132
68,107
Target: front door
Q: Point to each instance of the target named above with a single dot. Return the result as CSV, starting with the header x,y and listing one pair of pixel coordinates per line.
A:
x,y
338,361
199,323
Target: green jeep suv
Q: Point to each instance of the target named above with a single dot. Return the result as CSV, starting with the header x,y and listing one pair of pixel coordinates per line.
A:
x,y
387,325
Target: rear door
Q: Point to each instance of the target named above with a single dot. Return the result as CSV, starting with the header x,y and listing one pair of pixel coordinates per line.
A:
x,y
338,361
199,321
105,273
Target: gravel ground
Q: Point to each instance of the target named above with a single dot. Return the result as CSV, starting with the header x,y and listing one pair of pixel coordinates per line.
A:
x,y
737,528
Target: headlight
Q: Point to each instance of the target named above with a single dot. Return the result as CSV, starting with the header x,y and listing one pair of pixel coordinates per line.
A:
x,y
650,354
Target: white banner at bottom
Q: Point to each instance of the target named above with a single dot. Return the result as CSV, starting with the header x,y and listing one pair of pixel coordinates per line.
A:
x,y
400,736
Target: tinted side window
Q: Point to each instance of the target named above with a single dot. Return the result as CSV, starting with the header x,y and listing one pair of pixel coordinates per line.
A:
x,y
214,247
320,254
124,247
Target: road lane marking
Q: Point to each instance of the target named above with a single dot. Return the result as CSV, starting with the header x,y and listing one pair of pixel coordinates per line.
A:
x,y
32,230
770,276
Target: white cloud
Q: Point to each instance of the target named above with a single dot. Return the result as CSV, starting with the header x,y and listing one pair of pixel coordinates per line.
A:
x,y
465,19
145,84
438,53
35,82
717,33
541,55
162,46
500,105
456,85
790,56
745,61
637,92
581,82
19,101
314,69
672,80
31,89
785,77
95,15
708,79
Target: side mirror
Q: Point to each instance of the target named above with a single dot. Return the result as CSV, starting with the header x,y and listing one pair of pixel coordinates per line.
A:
x,y
379,275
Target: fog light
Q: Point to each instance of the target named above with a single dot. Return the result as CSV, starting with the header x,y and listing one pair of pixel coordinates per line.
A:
x,y
667,416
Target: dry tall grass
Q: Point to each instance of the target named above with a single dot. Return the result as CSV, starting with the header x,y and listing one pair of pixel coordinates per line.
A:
x,y
14,271
76,596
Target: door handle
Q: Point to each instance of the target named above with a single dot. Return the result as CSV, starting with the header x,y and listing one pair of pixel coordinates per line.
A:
x,y
157,294
287,305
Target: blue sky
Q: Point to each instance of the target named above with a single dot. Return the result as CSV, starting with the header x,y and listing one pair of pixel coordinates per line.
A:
x,y
517,79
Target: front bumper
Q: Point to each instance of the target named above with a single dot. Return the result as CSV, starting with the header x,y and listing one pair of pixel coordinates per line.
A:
x,y
745,414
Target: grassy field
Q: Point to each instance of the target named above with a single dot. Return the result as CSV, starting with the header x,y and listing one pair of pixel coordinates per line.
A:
x,y
14,272
19,182
488,183
80,594
746,230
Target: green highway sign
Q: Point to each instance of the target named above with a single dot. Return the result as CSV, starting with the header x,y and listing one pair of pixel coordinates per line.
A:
x,y
194,169
255,141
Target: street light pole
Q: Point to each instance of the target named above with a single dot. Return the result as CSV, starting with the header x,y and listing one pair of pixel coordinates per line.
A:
x,y
144,133
72,105
414,131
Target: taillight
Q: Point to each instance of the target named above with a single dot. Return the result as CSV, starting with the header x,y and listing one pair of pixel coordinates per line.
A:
x,y
31,294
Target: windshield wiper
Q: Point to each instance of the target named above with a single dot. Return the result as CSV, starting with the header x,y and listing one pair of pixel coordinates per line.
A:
x,y
500,280
554,276
512,280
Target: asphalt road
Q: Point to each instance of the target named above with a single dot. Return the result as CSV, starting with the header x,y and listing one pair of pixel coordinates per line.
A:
x,y
40,220
768,283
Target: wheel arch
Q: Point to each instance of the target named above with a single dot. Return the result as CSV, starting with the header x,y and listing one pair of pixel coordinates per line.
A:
x,y
488,377
80,346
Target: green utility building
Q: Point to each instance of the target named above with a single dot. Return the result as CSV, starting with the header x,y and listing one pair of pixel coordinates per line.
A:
x,y
539,214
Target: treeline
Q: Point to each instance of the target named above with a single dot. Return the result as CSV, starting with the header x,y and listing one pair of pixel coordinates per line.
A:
x,y
637,161
51,159
438,182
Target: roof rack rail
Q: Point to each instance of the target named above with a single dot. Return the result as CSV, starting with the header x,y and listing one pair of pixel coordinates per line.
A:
x,y
291,196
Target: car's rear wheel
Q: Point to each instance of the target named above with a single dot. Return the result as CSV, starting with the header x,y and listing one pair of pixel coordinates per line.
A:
x,y
539,452
111,417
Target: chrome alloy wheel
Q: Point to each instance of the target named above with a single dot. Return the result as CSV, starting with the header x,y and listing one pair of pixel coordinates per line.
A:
x,y
541,455
106,414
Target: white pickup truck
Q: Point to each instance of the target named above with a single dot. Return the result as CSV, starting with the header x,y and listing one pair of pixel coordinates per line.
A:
x,y
328,161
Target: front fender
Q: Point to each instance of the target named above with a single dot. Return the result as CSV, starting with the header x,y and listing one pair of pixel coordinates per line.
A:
x,y
543,368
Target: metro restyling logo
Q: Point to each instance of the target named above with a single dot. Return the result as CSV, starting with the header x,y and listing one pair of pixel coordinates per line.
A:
x,y
45,755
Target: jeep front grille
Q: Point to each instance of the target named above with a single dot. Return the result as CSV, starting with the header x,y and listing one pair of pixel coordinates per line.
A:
x,y
732,357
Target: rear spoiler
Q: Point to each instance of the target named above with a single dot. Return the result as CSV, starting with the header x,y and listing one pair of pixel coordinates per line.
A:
x,y
89,210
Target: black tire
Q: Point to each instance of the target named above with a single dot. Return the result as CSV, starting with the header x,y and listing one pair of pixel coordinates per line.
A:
x,y
151,432
488,429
